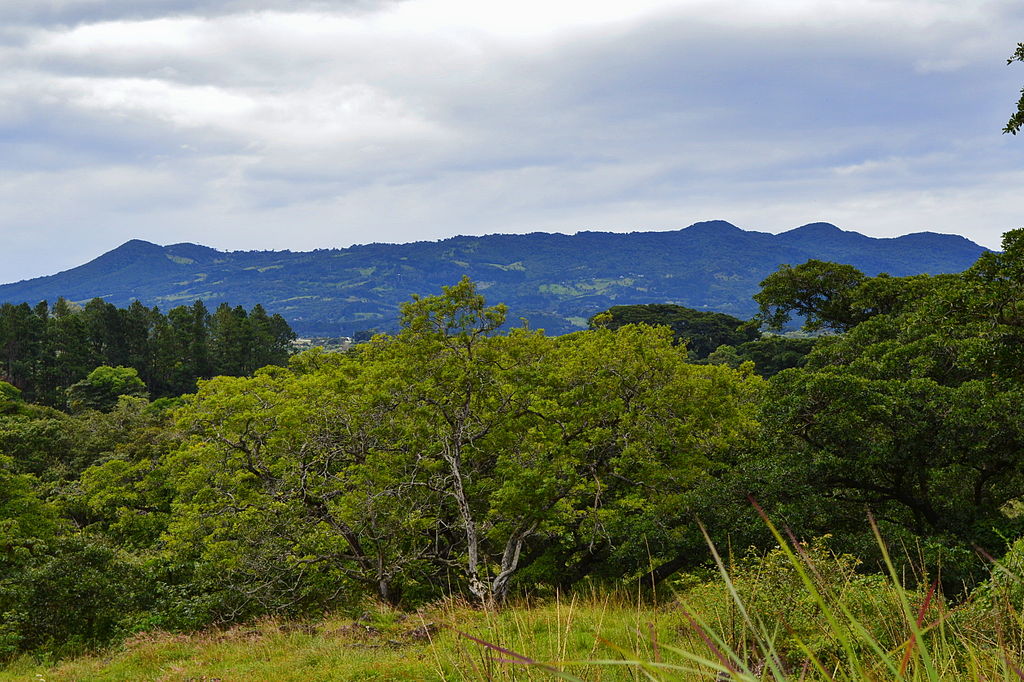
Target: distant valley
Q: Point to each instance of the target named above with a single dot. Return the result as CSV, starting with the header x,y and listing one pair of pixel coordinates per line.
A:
x,y
554,281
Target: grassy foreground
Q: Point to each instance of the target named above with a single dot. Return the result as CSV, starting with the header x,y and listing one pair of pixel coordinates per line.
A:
x,y
385,645
798,613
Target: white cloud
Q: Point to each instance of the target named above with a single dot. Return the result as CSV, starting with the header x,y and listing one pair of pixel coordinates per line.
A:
x,y
303,124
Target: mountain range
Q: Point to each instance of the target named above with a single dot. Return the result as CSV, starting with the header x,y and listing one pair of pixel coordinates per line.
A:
x,y
555,281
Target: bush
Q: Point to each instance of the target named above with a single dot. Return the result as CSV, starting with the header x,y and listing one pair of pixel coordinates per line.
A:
x,y
772,591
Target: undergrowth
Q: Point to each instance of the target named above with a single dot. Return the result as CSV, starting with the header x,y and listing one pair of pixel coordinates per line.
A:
x,y
800,612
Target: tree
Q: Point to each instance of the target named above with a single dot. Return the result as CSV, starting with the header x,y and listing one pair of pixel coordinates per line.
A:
x,y
645,433
10,398
20,332
44,352
67,357
451,452
911,410
281,493
101,389
819,291
27,524
187,344
1017,119
463,396
104,328
833,296
773,353
935,460
231,340
272,339
137,323
702,331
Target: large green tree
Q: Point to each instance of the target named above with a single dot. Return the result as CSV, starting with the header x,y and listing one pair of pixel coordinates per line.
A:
x,y
452,451
104,385
701,330
911,411
27,525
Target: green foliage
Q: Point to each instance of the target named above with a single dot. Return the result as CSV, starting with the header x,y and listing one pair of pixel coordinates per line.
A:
x,y
74,583
45,351
10,399
997,604
702,331
37,443
912,412
713,338
27,526
451,452
26,522
56,446
932,458
820,292
770,354
9,394
104,385
73,598
770,586
835,297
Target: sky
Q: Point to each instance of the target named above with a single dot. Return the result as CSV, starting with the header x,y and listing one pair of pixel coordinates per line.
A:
x,y
303,124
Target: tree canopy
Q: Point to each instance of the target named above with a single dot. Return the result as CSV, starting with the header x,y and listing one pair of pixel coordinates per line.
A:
x,y
456,456
449,447
911,411
44,349
702,331
104,385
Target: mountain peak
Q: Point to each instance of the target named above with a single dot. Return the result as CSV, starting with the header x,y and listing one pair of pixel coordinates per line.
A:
x,y
712,227
132,250
139,250
815,229
135,245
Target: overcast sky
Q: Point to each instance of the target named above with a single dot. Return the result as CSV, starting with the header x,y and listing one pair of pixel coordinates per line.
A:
x,y
273,124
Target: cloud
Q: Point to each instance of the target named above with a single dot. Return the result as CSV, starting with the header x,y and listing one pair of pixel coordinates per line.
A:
x,y
77,12
307,124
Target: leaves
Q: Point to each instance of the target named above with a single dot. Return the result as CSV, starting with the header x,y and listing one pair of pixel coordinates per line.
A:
x,y
450,445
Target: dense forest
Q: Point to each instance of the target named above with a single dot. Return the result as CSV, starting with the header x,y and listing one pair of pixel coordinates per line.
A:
x,y
457,457
44,350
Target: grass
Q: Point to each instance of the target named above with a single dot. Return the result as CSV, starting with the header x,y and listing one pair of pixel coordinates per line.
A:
x,y
431,644
798,613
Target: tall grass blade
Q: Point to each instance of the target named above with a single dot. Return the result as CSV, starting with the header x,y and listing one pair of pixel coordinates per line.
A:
x,y
518,658
920,620
908,612
853,660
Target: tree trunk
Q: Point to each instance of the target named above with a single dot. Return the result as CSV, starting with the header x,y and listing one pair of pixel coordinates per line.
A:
x,y
510,562
477,587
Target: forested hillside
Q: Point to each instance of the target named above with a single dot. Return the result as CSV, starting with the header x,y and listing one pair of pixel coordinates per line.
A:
x,y
555,281
459,458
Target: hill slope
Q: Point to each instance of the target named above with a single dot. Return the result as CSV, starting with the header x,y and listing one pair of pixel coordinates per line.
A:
x,y
555,281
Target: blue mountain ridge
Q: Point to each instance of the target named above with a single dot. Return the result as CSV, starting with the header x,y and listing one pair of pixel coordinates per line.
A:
x,y
555,281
